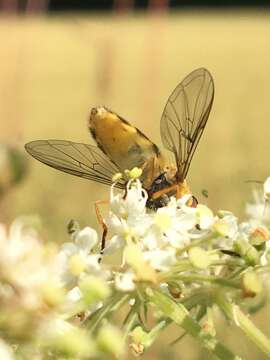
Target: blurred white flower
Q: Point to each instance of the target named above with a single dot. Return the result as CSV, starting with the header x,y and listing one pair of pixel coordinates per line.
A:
x,y
6,352
266,189
259,208
160,260
74,295
25,264
125,281
76,258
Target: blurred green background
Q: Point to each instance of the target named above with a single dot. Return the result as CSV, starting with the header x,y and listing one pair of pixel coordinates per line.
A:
x,y
54,69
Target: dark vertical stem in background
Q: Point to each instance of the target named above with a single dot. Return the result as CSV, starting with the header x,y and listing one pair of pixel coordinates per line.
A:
x,y
123,5
10,6
159,4
14,6
36,5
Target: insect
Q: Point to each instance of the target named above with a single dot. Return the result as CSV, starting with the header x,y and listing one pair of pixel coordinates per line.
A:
x,y
122,146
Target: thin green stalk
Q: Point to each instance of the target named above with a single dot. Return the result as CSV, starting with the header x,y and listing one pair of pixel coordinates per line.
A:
x,y
197,242
199,316
180,315
130,322
198,277
246,325
113,303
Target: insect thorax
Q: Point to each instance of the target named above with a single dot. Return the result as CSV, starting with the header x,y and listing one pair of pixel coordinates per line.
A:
x,y
164,186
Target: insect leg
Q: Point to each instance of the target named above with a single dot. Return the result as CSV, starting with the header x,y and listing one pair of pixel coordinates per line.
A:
x,y
159,193
101,222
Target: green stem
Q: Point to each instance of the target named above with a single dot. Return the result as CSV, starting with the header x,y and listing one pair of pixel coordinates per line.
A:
x,y
155,332
246,325
199,316
131,321
180,315
112,304
197,242
198,277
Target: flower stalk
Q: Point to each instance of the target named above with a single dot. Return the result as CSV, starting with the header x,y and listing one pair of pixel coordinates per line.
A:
x,y
234,313
180,315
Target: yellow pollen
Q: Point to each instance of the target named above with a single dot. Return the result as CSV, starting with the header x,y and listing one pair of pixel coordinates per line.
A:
x,y
163,221
76,264
116,177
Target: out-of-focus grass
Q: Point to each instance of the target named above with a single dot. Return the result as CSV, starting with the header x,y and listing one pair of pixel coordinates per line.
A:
x,y
53,70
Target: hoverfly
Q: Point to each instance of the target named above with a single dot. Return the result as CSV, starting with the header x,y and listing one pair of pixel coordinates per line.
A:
x,y
121,146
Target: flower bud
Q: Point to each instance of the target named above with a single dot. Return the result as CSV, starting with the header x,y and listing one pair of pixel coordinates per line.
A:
x,y
52,293
247,251
116,177
259,236
93,289
221,227
110,340
251,284
135,173
73,342
199,258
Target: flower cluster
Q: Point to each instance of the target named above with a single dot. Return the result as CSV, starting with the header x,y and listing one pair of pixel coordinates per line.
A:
x,y
177,262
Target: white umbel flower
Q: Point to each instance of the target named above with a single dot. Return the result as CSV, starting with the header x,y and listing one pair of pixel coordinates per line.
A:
x,y
6,352
266,189
76,258
125,281
133,204
159,259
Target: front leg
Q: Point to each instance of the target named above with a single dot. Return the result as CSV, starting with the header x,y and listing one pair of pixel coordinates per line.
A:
x,y
102,223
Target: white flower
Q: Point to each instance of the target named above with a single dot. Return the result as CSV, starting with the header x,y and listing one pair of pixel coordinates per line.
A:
x,y
259,209
6,352
175,224
86,239
266,188
18,243
74,295
133,228
133,204
25,263
205,216
76,258
125,281
159,259
232,225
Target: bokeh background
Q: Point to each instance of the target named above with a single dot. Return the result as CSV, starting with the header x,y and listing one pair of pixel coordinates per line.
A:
x,y
56,64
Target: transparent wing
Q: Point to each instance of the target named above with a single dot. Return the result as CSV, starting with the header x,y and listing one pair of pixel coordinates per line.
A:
x,y
86,161
185,116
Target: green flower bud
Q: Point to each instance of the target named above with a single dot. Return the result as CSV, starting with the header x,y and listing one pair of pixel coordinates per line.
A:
x,y
247,251
52,294
251,284
93,289
110,340
73,343
199,258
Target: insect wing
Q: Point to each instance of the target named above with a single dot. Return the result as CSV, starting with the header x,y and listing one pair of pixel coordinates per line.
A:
x,y
185,116
83,160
